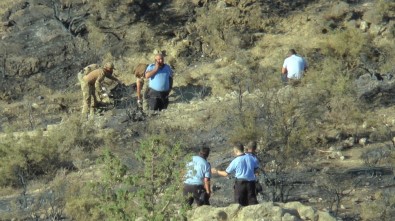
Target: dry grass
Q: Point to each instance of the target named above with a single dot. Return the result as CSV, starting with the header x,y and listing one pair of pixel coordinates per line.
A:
x,y
217,110
6,4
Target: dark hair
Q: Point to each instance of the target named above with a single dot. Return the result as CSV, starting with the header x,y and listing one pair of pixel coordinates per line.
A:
x,y
238,146
292,51
204,151
252,145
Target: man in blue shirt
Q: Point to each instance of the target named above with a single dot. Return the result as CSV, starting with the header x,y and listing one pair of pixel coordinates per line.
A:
x,y
160,78
197,179
244,167
293,67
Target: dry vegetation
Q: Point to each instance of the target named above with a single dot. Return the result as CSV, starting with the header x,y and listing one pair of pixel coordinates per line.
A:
x,y
227,64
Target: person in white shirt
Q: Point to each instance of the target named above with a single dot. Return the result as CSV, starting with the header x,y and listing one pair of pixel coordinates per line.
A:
x,y
294,67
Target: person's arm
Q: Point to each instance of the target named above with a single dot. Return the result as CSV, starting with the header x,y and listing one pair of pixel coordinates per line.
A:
x,y
219,172
284,70
112,77
170,83
151,73
305,65
207,185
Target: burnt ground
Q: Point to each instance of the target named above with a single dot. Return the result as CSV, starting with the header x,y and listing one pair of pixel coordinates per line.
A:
x,y
45,43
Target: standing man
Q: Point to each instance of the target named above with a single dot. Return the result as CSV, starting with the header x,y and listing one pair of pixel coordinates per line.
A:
x,y
293,68
197,179
251,150
244,167
91,86
160,78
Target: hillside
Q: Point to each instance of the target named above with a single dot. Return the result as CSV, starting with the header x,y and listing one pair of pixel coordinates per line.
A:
x,y
327,143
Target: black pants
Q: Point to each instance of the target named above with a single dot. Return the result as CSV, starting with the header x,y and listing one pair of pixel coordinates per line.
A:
x,y
194,193
157,100
245,193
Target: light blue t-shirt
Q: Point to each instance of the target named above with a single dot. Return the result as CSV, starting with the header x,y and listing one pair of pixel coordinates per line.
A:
x,y
197,170
244,167
160,81
295,66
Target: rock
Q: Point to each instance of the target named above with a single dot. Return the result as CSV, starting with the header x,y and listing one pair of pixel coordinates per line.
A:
x,y
305,212
221,5
349,142
363,141
35,106
291,211
364,26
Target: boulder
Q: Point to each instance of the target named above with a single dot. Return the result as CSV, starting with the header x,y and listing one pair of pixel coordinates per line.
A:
x,y
291,211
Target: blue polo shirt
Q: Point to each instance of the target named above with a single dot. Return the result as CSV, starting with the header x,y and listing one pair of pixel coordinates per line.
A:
x,y
254,156
244,167
295,66
160,81
197,170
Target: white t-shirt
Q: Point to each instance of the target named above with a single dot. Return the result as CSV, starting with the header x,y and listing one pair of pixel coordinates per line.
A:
x,y
295,66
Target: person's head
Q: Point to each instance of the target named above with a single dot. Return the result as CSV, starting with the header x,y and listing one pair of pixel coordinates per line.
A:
x,y
291,52
251,146
159,59
204,152
109,67
238,148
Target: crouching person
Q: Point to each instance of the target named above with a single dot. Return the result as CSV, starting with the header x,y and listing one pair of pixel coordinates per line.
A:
x,y
141,86
91,85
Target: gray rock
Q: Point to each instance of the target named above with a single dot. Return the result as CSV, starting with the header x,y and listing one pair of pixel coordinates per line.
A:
x,y
291,211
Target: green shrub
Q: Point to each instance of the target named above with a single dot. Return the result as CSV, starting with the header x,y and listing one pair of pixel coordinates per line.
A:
x,y
151,190
27,158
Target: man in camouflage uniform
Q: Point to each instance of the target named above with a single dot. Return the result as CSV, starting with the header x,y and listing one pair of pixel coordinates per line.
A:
x,y
141,85
91,84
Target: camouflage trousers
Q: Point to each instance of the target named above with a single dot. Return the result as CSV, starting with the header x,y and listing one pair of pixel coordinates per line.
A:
x,y
88,95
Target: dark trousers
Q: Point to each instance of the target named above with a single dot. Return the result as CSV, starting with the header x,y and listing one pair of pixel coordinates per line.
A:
x,y
290,81
196,193
245,193
157,100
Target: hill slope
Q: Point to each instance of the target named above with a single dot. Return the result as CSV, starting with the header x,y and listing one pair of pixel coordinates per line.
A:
x,y
226,56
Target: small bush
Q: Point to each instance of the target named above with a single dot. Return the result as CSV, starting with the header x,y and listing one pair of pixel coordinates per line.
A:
x,y
375,157
337,11
345,113
30,155
346,43
381,209
379,12
151,191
